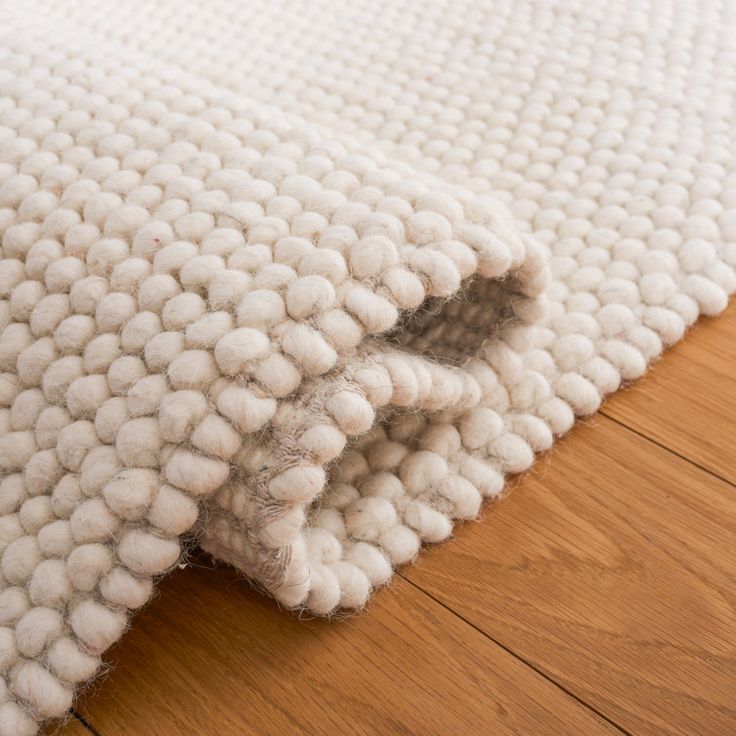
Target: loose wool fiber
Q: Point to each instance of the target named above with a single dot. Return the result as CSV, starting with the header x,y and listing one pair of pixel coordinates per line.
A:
x,y
307,281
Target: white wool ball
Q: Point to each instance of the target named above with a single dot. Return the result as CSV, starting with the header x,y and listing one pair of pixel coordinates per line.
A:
x,y
139,442
156,291
308,296
324,590
50,584
87,563
182,310
215,436
172,511
49,424
12,493
402,379
114,310
570,351
20,558
194,369
340,495
42,471
615,319
331,520
368,518
513,452
479,426
8,650
74,333
482,475
179,413
96,625
278,375
430,524
16,448
110,417
423,470
309,349
146,395
59,375
323,441
353,414
376,383
505,362
13,604
195,473
282,530
300,484
406,288
579,393
355,587
138,330
656,288
15,720
371,561
92,521
41,690
340,329
321,545
372,310
372,255
124,372
55,539
48,314
236,351
244,409
463,496
101,352
26,408
439,271
36,629
69,662
533,430
261,309
383,485
711,298
666,323
86,394
145,553
442,439
121,588
629,362
74,441
207,331
227,287
600,371
10,529
36,513
386,455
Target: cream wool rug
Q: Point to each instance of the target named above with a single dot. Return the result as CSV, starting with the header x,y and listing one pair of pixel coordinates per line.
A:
x,y
305,281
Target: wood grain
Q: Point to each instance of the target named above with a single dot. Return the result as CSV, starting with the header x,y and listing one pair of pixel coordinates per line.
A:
x,y
72,727
687,402
213,657
613,571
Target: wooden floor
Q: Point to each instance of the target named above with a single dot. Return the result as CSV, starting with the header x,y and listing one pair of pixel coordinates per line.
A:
x,y
598,598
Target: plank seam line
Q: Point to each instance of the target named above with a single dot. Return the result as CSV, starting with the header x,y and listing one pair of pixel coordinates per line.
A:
x,y
641,434
517,656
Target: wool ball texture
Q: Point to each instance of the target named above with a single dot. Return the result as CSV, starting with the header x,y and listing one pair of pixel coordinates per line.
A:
x,y
320,337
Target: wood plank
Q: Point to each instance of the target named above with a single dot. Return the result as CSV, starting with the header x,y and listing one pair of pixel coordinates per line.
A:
x,y
71,727
612,570
212,656
687,402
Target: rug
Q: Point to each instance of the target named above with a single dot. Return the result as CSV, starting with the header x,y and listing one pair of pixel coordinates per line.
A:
x,y
303,283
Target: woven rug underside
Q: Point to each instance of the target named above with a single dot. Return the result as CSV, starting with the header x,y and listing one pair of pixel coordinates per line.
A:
x,y
305,281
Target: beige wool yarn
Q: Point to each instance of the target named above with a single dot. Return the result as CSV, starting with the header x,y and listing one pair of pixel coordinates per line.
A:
x,y
306,281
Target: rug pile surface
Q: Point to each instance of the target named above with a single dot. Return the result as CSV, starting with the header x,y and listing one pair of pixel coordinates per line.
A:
x,y
304,282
